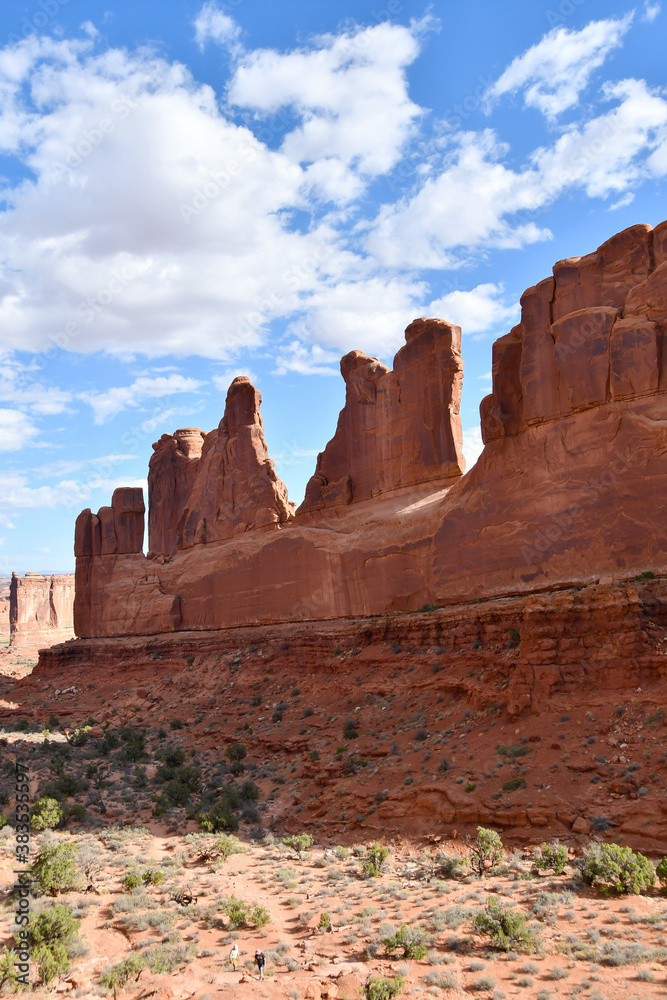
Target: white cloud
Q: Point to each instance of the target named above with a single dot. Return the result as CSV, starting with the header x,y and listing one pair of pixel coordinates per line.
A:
x,y
472,445
351,94
651,11
112,401
369,314
223,381
16,493
553,73
426,229
477,310
213,24
442,223
16,430
313,360
17,386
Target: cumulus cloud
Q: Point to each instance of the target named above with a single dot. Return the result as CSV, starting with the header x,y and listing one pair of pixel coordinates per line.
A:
x,y
553,73
112,401
651,11
480,309
212,24
351,94
16,430
472,445
16,493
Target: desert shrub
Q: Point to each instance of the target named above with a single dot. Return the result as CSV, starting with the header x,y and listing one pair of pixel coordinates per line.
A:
x,y
46,814
449,865
550,856
383,987
483,984
131,881
51,961
325,922
218,818
152,876
513,750
134,748
558,972
410,939
171,756
165,958
4,821
114,977
507,927
299,842
8,972
237,912
486,851
236,752
53,869
661,872
49,935
614,868
375,861
342,853
207,849
258,917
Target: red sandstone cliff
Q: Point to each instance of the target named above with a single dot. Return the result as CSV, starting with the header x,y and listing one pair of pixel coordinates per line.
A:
x,y
570,487
399,427
41,609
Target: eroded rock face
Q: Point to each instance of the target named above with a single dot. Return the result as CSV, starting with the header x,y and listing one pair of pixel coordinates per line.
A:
x,y
41,609
171,475
591,334
398,427
570,487
235,488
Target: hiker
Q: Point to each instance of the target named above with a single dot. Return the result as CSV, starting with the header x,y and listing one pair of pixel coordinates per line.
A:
x,y
260,962
234,956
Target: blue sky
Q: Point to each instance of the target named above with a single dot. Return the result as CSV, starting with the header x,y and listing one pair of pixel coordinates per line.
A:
x,y
191,192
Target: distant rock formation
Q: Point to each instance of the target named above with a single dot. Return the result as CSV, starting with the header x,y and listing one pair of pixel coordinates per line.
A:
x,y
571,485
399,427
41,609
4,609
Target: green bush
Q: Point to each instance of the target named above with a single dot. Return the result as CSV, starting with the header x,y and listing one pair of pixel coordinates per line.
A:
x,y
614,868
383,987
410,939
236,752
507,927
237,912
661,872
299,842
131,881
258,917
325,922
4,821
114,977
51,961
375,861
487,851
49,934
165,958
152,876
218,818
8,973
449,865
550,856
46,814
53,869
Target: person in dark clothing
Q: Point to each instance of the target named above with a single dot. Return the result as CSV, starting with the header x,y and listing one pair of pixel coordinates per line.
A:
x,y
260,961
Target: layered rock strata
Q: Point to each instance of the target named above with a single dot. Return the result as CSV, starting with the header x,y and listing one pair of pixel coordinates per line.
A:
x,y
41,609
398,427
570,487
